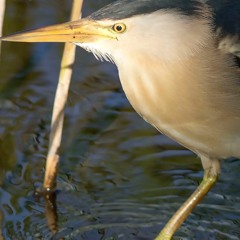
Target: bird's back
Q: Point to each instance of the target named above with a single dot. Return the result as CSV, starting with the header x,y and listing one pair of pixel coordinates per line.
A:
x,y
227,25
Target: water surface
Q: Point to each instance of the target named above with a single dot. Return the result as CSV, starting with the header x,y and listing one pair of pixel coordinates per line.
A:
x,y
118,177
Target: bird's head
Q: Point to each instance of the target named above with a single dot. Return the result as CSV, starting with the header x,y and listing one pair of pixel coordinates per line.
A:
x,y
164,29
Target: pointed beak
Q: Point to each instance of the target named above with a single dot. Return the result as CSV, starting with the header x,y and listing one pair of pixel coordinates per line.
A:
x,y
84,30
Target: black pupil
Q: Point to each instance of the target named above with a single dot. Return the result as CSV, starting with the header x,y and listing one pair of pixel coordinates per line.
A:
x,y
119,28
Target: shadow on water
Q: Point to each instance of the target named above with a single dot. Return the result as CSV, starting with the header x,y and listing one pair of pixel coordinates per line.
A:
x,y
118,177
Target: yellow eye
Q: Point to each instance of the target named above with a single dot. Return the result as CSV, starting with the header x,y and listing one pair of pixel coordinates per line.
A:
x,y
119,28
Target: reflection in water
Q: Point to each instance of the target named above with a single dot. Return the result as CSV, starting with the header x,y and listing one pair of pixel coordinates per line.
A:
x,y
50,209
119,178
51,212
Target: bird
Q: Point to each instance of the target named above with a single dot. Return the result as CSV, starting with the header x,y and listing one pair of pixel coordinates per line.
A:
x,y
178,64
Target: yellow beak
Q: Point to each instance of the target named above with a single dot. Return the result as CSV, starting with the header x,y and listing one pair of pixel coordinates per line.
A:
x,y
85,30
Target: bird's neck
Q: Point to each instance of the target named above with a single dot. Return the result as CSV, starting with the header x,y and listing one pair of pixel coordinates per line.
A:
x,y
169,94
200,73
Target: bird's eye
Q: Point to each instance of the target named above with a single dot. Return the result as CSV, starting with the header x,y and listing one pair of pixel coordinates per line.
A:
x,y
119,27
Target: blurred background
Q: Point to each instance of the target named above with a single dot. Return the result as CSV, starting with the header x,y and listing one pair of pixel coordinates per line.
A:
x,y
118,177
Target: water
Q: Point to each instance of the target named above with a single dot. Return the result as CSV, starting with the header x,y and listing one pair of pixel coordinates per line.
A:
x,y
118,177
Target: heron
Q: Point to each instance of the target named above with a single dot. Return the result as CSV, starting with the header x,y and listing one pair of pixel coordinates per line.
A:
x,y
178,65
